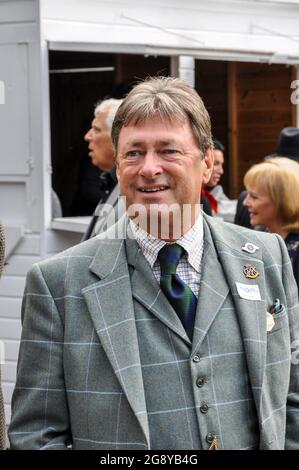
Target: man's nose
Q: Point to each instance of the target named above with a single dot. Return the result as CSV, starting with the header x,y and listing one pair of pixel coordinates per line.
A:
x,y
88,135
151,165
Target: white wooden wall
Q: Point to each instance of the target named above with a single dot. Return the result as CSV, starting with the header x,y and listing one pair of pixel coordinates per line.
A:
x,y
258,30
25,179
20,210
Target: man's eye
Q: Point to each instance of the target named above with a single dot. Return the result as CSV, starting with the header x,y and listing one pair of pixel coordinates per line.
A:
x,y
133,153
169,151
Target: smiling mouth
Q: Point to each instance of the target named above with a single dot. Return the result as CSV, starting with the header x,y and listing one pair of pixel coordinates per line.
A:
x,y
153,190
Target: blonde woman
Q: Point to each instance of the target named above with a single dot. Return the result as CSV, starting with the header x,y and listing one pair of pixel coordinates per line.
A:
x,y
273,201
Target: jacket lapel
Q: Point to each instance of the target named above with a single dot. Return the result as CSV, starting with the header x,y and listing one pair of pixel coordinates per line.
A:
x,y
251,313
111,308
212,293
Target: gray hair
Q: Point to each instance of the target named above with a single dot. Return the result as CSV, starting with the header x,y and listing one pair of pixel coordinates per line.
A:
x,y
170,99
110,106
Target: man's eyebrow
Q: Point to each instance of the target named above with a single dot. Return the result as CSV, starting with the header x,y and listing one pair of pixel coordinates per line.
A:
x,y
134,143
168,142
141,143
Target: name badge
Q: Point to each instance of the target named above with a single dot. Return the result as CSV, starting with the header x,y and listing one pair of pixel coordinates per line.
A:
x,y
248,292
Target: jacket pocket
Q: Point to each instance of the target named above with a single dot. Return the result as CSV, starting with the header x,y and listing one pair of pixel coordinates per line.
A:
x,y
280,317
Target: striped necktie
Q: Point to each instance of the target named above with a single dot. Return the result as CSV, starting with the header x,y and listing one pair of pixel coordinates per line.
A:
x,y
177,292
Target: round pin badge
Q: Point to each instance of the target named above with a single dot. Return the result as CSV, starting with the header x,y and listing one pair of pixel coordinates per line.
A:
x,y
250,247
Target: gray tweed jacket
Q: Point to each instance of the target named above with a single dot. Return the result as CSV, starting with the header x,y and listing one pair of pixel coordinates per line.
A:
x,y
80,379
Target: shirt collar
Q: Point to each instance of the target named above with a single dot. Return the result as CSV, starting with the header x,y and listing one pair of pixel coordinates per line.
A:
x,y
191,241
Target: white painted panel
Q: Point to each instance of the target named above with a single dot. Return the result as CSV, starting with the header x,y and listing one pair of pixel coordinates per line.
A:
x,y
282,1
7,409
10,329
57,241
14,114
12,286
157,42
11,350
188,27
9,372
12,201
30,245
207,15
10,308
13,235
19,265
7,389
16,11
71,224
17,33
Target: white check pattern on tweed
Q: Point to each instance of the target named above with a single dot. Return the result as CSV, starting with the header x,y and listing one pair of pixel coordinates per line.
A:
x,y
189,267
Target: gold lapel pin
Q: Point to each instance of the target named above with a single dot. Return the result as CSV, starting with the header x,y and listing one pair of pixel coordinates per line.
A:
x,y
250,271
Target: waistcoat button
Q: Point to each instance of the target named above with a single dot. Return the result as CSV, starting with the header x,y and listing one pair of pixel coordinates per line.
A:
x,y
210,437
196,358
200,382
204,408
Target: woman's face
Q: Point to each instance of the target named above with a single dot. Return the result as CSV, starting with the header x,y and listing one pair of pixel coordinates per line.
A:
x,y
261,207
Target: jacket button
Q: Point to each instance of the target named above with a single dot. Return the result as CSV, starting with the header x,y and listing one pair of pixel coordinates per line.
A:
x,y
200,382
196,358
204,408
210,437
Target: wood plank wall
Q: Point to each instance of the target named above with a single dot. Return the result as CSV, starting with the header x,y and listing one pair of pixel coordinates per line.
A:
x,y
260,108
249,104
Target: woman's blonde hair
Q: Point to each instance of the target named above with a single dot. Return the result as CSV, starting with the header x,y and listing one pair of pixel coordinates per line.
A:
x,y
279,178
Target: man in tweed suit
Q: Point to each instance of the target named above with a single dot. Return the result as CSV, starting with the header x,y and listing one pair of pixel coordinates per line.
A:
x,y
123,350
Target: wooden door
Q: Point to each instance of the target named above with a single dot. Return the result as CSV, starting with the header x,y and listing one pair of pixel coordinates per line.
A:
x,y
259,107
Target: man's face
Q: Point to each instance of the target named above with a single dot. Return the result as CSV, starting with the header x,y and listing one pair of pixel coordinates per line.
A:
x,y
217,168
160,163
99,143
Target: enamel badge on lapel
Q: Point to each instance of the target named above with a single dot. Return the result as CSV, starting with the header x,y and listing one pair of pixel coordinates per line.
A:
x,y
250,248
250,271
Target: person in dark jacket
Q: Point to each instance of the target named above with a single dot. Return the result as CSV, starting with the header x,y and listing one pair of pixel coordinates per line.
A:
x,y
242,216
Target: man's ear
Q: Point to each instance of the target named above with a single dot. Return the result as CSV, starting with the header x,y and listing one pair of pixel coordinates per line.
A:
x,y
208,163
117,168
